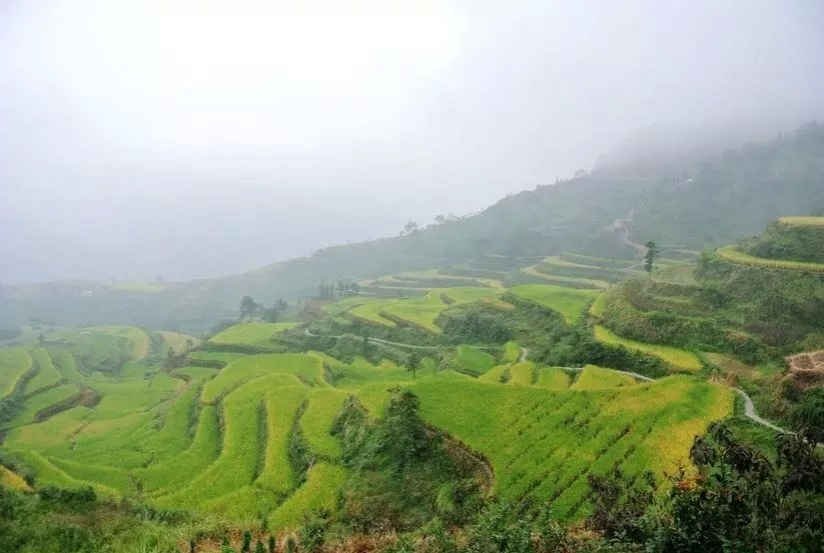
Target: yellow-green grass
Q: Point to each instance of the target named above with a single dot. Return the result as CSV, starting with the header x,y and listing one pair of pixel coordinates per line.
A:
x,y
111,477
732,255
342,306
320,491
47,473
419,312
281,406
472,360
316,422
136,286
132,395
12,480
47,375
133,369
560,279
361,373
569,302
512,352
13,364
177,417
241,450
179,470
138,338
371,313
596,378
521,374
543,444
41,401
64,360
176,341
802,221
553,378
214,356
251,334
292,367
673,356
599,306
466,294
495,374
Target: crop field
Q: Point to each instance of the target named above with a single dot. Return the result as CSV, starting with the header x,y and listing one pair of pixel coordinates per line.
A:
x,y
571,282
553,378
543,443
678,358
731,254
420,312
596,378
371,313
473,361
13,364
251,334
802,221
569,302
214,436
47,375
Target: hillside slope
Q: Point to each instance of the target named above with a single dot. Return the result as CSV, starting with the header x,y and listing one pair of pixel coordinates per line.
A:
x,y
714,203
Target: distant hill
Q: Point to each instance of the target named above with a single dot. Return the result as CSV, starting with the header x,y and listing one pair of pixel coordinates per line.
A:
x,y
710,202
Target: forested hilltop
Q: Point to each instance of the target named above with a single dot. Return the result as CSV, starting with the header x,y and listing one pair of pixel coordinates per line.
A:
x,y
689,205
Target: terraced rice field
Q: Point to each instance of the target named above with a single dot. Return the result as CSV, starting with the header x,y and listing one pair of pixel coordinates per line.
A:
x,y
678,358
572,282
596,378
731,254
542,443
251,334
569,302
473,361
802,221
214,436
14,363
47,375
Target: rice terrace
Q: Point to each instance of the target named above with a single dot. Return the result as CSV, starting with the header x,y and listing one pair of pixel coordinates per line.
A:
x,y
245,425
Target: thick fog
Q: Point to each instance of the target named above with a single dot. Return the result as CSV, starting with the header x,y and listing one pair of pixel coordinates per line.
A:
x,y
190,139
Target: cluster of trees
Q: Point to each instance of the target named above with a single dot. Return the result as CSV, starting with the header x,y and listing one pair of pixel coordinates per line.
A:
x,y
343,289
249,309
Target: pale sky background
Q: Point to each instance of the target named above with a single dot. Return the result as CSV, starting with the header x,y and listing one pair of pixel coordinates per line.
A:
x,y
190,139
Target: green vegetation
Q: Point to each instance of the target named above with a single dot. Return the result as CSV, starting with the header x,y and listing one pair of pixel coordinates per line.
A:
x,y
733,255
13,365
471,392
596,378
250,334
673,356
472,361
568,302
47,375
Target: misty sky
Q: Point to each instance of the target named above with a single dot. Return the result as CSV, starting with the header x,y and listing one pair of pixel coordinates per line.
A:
x,y
200,138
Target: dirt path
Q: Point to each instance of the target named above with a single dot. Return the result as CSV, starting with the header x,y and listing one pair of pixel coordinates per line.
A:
x,y
621,227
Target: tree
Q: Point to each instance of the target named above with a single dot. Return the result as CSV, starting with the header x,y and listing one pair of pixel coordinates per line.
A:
x,y
412,363
808,415
247,542
259,547
271,314
652,254
410,227
273,544
248,307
